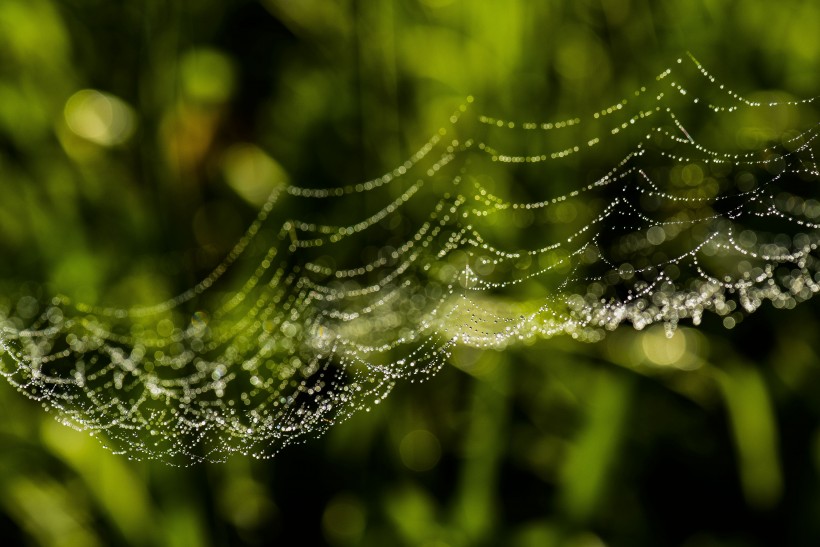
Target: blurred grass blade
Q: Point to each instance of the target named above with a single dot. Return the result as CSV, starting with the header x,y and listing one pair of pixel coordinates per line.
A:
x,y
755,434
589,465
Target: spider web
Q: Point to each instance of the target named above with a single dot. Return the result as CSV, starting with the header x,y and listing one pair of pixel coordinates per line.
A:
x,y
295,331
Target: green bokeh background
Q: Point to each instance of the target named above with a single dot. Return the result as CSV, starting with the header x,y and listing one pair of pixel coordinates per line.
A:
x,y
561,443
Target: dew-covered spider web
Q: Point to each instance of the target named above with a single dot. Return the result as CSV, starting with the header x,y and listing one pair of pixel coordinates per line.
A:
x,y
682,199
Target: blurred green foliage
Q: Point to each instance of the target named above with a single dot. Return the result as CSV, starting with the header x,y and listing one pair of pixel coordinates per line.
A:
x,y
192,111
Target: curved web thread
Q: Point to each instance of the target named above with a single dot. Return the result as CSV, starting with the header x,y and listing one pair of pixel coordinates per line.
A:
x,y
297,330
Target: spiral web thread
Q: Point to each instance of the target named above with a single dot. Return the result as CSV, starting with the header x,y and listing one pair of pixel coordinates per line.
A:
x,y
295,330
